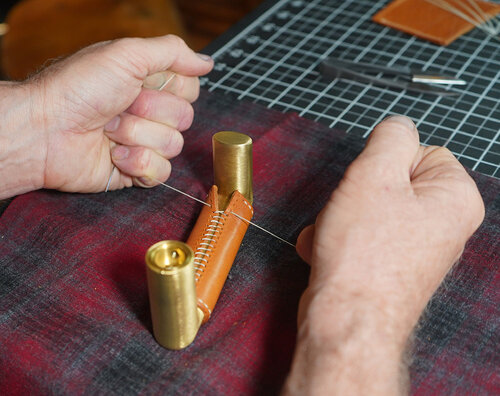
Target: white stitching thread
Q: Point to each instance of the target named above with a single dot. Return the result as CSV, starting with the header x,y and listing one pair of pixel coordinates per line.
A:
x,y
248,205
211,234
210,238
206,306
236,215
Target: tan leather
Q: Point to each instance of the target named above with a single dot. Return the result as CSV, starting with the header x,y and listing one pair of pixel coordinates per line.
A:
x,y
215,240
425,20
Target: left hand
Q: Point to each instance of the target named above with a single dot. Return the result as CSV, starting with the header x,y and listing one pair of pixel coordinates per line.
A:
x,y
102,107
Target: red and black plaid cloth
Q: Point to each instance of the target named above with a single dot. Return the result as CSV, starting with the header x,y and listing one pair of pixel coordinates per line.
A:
x,y
74,314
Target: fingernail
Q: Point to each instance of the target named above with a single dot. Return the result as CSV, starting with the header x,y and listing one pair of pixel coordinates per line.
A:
x,y
145,181
403,120
206,58
154,81
119,153
112,125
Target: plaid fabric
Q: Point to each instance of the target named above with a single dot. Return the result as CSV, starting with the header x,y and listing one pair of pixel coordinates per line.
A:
x,y
74,316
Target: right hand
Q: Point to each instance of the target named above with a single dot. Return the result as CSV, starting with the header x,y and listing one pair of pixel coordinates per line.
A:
x,y
390,232
100,107
396,223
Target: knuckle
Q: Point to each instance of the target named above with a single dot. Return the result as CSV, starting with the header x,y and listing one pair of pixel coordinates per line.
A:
x,y
175,41
474,199
181,83
443,151
132,131
173,144
128,53
373,167
142,106
163,172
178,85
144,159
129,130
129,41
194,89
187,88
185,116
123,44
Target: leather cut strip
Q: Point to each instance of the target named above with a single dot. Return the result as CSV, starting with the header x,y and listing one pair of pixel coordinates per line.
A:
x,y
428,21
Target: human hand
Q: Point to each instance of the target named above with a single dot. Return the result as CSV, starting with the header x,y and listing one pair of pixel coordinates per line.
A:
x,y
390,232
95,111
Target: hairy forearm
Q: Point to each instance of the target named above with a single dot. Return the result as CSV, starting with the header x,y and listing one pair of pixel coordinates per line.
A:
x,y
349,342
352,347
22,148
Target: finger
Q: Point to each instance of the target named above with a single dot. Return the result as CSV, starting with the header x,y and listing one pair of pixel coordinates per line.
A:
x,y
435,161
163,107
177,84
305,242
142,163
130,130
439,170
152,55
391,149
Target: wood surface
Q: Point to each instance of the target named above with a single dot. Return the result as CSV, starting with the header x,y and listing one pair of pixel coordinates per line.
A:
x,y
43,30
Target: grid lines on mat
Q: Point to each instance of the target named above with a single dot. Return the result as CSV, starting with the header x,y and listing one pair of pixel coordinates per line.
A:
x,y
274,61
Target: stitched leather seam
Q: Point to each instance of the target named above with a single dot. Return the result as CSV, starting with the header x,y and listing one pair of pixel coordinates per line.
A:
x,y
212,231
236,200
206,306
249,206
199,256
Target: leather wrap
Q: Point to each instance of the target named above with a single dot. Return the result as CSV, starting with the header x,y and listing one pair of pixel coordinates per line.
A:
x,y
215,240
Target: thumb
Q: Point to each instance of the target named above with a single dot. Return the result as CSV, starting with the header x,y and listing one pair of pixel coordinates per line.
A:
x,y
394,145
152,55
305,242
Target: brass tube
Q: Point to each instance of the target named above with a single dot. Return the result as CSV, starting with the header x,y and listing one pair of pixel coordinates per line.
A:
x,y
232,162
172,294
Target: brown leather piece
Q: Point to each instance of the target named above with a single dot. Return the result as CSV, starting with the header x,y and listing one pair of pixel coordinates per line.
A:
x,y
425,20
215,240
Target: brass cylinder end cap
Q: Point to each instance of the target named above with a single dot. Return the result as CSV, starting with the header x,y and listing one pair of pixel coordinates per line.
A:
x,y
169,257
172,293
233,165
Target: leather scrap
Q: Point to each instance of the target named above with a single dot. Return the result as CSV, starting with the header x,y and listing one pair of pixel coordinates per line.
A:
x,y
427,21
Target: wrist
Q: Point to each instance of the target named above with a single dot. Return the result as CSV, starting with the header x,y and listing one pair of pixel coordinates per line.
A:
x,y
22,139
385,275
349,348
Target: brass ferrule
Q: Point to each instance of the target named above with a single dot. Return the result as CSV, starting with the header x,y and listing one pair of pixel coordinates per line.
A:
x,y
232,161
172,294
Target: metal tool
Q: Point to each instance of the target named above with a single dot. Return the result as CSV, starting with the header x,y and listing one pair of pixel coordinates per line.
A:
x,y
172,294
403,77
232,159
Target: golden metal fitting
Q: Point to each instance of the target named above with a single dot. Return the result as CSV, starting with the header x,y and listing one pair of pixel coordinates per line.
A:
x,y
232,161
172,294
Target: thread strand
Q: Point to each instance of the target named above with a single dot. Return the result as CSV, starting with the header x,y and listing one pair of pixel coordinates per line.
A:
x,y
110,177
263,229
181,192
237,215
